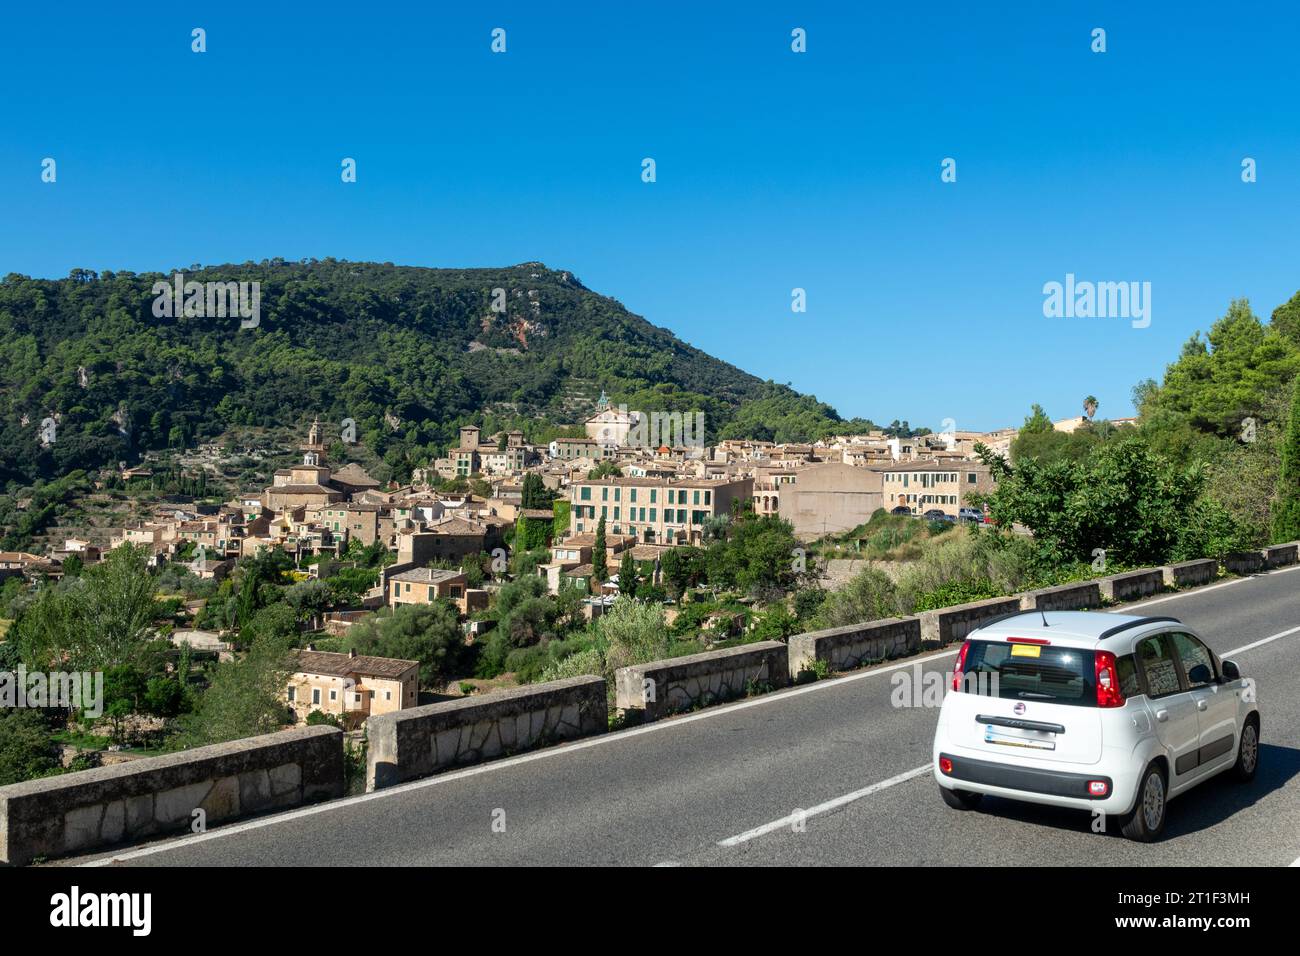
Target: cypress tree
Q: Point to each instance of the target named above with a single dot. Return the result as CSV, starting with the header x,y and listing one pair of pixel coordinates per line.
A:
x,y
599,568
627,582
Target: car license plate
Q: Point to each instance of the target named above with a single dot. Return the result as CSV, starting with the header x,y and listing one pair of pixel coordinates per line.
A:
x,y
1038,741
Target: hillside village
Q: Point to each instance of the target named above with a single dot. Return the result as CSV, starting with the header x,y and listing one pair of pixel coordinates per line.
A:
x,y
609,499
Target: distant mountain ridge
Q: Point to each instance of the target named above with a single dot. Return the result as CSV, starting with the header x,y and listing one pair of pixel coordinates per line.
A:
x,y
409,353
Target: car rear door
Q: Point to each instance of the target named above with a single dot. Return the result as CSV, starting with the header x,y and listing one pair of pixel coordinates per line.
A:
x,y
1171,704
1023,698
1215,702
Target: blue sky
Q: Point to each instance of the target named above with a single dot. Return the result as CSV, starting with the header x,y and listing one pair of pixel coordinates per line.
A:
x,y
775,170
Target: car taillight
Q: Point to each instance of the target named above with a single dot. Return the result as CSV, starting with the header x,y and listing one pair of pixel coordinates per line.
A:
x,y
1097,788
961,663
945,764
1108,692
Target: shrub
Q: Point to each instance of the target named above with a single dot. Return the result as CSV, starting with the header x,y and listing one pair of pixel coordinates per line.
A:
x,y
354,766
590,661
967,562
807,602
868,596
814,670
954,568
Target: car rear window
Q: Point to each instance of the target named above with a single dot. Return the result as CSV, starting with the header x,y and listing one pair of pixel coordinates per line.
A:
x,y
1055,675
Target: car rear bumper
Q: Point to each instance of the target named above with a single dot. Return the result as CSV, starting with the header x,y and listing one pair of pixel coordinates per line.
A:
x,y
1032,783
1050,783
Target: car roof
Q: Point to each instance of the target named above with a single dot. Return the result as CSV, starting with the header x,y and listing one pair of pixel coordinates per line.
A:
x,y
1073,628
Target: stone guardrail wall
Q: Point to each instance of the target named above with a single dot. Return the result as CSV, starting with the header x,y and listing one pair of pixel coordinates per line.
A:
x,y
1186,574
1244,562
1131,585
152,796
947,624
1079,596
1280,555
659,688
854,645
419,741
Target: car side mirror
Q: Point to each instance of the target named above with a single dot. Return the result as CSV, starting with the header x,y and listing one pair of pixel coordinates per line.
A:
x,y
1230,670
1200,674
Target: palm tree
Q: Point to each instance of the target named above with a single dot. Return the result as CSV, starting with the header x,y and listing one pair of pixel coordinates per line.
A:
x,y
1090,406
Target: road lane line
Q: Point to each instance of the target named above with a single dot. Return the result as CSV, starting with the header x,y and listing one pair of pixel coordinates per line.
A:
x,y
824,807
1260,643
562,749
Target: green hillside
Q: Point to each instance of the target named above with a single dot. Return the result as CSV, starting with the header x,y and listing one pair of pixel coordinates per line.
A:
x,y
408,353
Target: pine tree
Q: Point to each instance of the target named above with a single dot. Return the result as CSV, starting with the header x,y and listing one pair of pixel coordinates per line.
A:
x,y
1286,508
599,569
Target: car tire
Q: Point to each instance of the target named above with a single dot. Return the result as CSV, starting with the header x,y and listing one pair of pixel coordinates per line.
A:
x,y
1247,751
1146,821
960,799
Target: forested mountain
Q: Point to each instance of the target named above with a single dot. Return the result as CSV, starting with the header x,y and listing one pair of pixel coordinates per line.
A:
x,y
408,353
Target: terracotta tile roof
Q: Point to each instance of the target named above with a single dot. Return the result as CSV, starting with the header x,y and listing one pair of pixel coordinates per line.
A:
x,y
427,575
649,552
344,665
23,556
456,526
354,474
923,465
676,482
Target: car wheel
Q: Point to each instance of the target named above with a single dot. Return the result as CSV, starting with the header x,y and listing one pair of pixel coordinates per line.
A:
x,y
960,799
1146,820
1247,752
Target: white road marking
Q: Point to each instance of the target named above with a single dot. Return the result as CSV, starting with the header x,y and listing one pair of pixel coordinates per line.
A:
x,y
1260,643
824,807
1296,861
562,749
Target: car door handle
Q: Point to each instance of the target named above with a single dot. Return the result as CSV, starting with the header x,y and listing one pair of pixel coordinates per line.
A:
x,y
1162,715
1201,705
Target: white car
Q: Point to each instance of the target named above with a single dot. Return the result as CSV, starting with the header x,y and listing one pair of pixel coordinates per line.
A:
x,y
1099,712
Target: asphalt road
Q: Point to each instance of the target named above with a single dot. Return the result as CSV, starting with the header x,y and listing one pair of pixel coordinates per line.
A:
x,y
719,786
